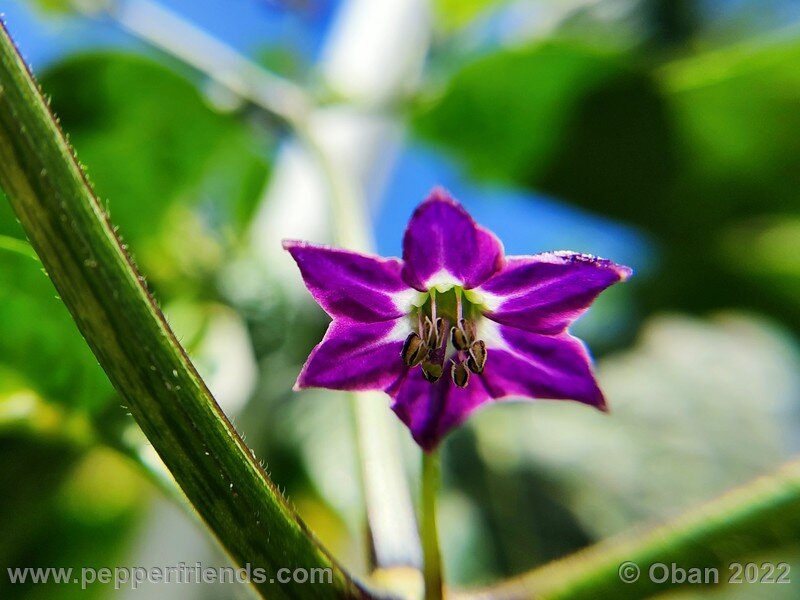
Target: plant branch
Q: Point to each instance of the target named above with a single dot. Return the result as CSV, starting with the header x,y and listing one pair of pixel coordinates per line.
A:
x,y
133,343
762,515
171,33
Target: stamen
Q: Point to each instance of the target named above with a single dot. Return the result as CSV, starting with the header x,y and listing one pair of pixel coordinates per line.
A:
x,y
441,328
414,350
469,329
428,332
477,357
432,371
433,335
433,365
461,336
460,374
428,346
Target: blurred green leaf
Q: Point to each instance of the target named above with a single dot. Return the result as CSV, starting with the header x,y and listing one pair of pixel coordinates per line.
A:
x,y
9,225
749,520
560,117
60,7
25,500
456,13
736,114
146,136
152,144
40,341
78,513
16,245
53,6
684,151
234,181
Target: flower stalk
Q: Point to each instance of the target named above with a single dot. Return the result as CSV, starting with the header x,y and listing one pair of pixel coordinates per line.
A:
x,y
430,481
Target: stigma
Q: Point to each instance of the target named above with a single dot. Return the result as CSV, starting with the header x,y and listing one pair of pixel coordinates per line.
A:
x,y
444,328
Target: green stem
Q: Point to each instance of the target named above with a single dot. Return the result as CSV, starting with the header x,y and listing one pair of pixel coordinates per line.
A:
x,y
107,298
743,523
430,538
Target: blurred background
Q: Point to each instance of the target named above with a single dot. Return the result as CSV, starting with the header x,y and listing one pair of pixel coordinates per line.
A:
x,y
660,134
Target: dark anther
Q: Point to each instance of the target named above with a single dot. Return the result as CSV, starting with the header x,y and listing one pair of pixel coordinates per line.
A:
x,y
460,336
477,357
460,374
432,371
414,350
433,335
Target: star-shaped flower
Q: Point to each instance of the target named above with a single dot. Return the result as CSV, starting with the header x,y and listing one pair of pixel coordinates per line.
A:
x,y
454,324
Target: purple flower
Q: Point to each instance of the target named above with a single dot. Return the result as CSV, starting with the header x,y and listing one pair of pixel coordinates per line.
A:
x,y
454,324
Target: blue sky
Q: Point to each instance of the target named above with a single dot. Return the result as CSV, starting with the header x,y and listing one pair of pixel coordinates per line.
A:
x,y
247,25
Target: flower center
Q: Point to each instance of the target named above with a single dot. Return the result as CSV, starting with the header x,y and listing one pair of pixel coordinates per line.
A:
x,y
445,328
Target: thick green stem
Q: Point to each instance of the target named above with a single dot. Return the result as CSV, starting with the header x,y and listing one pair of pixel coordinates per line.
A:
x,y
133,343
430,537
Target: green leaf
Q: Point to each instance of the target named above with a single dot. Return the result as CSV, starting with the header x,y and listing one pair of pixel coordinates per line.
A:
x,y
735,113
684,152
457,13
179,178
162,156
53,6
80,515
39,339
148,139
557,116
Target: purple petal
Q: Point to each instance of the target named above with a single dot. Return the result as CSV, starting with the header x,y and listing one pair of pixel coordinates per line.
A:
x,y
431,410
356,356
544,293
353,286
443,244
532,365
